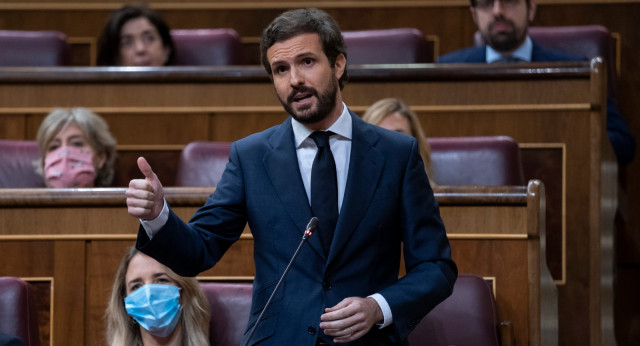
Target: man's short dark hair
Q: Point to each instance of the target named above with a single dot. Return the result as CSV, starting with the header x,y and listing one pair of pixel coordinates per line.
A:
x,y
109,42
305,21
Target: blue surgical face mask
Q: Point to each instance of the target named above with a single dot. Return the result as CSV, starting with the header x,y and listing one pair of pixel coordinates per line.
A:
x,y
155,307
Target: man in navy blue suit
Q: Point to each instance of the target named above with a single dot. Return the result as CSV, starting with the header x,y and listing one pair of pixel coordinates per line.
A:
x,y
503,25
347,291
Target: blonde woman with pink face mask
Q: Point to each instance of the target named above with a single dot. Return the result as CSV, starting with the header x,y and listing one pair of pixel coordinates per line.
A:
x,y
77,149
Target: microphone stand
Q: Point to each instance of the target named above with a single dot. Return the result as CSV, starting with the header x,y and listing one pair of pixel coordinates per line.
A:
x,y
311,226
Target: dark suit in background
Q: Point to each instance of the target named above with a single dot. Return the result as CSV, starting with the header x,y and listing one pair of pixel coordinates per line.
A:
x,y
10,340
623,143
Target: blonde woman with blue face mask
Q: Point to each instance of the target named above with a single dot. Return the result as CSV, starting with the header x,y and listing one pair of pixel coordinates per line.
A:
x,y
151,305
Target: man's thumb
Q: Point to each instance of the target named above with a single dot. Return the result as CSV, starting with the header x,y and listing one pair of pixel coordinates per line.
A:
x,y
144,167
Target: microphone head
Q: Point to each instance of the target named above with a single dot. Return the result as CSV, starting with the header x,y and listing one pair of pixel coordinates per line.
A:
x,y
311,227
313,223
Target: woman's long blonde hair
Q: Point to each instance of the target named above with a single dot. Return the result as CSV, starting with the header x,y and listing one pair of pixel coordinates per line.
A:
x,y
123,331
387,106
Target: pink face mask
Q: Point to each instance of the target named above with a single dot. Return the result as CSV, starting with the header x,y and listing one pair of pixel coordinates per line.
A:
x,y
69,167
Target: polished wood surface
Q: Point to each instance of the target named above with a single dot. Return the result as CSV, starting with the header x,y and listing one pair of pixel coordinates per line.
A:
x,y
542,105
76,237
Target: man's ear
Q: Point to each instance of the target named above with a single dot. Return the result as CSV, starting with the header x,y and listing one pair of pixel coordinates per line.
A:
x,y
474,14
340,65
532,11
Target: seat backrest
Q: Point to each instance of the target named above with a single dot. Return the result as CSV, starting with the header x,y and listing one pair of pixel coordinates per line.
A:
x,y
387,46
230,305
207,47
33,48
202,163
586,41
467,317
493,160
18,315
18,168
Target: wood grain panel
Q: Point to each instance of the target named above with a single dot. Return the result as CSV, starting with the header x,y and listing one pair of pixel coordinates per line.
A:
x,y
539,103
84,266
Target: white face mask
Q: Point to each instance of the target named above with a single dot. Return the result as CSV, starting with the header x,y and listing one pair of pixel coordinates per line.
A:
x,y
69,167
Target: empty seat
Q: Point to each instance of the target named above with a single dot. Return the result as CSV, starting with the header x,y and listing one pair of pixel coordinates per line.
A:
x,y
387,46
467,317
19,161
476,161
207,47
585,41
18,311
202,163
33,48
230,304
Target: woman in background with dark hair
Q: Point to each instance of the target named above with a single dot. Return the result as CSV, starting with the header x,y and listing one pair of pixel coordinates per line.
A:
x,y
136,35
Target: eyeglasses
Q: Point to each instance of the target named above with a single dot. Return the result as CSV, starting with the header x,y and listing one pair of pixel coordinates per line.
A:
x,y
487,4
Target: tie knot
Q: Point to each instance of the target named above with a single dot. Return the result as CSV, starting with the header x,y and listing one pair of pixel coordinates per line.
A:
x,y
321,138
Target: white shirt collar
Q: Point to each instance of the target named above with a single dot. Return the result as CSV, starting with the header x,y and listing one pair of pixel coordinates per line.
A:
x,y
523,52
342,127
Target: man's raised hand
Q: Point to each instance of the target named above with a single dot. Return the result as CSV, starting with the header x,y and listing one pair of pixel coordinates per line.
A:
x,y
145,197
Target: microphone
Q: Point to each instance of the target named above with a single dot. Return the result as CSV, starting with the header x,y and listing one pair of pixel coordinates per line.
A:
x,y
311,227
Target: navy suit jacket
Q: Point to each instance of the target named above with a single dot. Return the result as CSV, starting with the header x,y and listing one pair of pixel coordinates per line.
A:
x,y
623,143
10,340
388,202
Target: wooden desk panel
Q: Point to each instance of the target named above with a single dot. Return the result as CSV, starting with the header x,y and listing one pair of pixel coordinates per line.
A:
x,y
558,103
77,238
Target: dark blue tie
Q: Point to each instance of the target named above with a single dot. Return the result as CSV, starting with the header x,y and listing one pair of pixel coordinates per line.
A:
x,y
324,189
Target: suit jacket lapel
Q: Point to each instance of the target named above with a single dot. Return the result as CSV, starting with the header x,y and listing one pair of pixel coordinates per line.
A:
x,y
365,169
282,167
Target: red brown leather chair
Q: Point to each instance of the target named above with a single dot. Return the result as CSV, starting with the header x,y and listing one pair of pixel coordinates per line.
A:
x,y
18,169
230,304
33,48
207,47
467,317
387,46
17,311
493,160
586,41
202,163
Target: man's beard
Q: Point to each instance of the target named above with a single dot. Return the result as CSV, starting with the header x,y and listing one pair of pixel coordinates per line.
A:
x,y
504,41
326,103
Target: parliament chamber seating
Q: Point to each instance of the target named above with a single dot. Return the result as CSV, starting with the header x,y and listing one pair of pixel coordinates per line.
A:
x,y
202,163
492,160
467,317
586,41
18,169
33,48
387,46
207,47
18,315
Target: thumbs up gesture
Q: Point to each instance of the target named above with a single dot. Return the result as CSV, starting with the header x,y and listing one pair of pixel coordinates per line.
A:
x,y
145,197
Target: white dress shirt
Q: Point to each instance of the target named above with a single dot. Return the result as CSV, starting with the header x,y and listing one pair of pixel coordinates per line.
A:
x,y
523,52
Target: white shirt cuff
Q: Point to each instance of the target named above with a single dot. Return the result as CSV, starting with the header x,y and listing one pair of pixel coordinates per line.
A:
x,y
386,310
153,226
